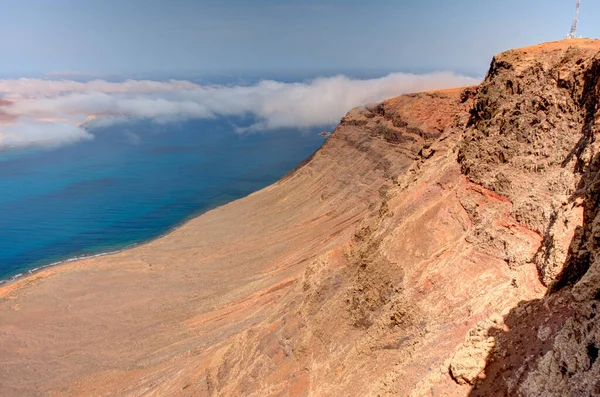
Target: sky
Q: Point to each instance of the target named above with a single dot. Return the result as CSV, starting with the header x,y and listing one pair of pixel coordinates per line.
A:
x,y
61,37
67,66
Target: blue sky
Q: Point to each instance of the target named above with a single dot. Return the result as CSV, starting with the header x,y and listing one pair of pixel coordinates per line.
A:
x,y
181,36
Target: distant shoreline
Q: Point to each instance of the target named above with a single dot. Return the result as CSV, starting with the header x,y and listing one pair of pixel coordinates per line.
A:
x,y
40,258
62,262
25,274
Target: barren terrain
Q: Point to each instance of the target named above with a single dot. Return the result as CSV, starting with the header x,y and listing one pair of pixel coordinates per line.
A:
x,y
438,244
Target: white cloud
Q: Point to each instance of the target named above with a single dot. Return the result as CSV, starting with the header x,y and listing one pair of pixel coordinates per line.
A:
x,y
28,132
275,105
40,87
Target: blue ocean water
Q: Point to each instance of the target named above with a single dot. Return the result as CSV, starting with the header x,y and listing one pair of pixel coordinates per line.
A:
x,y
130,184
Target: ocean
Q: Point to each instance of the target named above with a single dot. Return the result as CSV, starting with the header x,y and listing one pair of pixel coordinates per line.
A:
x,y
133,182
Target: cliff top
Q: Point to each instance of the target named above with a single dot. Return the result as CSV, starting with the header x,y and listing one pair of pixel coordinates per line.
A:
x,y
592,44
550,54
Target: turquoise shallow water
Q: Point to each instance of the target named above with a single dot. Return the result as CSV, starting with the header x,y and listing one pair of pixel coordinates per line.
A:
x,y
130,184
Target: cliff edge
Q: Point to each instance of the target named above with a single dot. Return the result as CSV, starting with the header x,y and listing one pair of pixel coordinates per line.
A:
x,y
438,244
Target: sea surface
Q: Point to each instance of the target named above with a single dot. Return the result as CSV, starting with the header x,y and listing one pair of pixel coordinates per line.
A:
x,y
133,182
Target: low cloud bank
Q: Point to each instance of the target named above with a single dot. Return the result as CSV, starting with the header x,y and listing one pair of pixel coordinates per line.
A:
x,y
57,112
29,132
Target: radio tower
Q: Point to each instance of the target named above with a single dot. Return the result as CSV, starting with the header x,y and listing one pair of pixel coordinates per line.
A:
x,y
571,35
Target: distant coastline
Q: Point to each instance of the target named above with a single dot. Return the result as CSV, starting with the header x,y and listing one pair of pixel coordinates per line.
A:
x,y
24,274
76,258
97,255
131,193
62,262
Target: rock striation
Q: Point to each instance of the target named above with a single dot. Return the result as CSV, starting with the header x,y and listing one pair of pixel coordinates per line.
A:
x,y
438,244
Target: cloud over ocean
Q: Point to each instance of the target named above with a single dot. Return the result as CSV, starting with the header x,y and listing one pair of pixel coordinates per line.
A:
x,y
50,113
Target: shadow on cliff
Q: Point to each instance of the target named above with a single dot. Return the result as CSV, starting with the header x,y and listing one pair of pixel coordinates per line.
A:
x,y
531,327
528,335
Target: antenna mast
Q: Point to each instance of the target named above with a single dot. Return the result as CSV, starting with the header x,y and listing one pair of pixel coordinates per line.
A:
x,y
571,35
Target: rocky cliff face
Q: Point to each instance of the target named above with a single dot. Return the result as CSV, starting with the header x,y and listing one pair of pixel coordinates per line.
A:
x,y
438,244
532,139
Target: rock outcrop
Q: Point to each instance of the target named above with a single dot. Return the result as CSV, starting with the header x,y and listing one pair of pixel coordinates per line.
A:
x,y
438,244
540,151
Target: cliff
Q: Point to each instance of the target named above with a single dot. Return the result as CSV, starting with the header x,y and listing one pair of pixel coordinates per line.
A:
x,y
438,244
